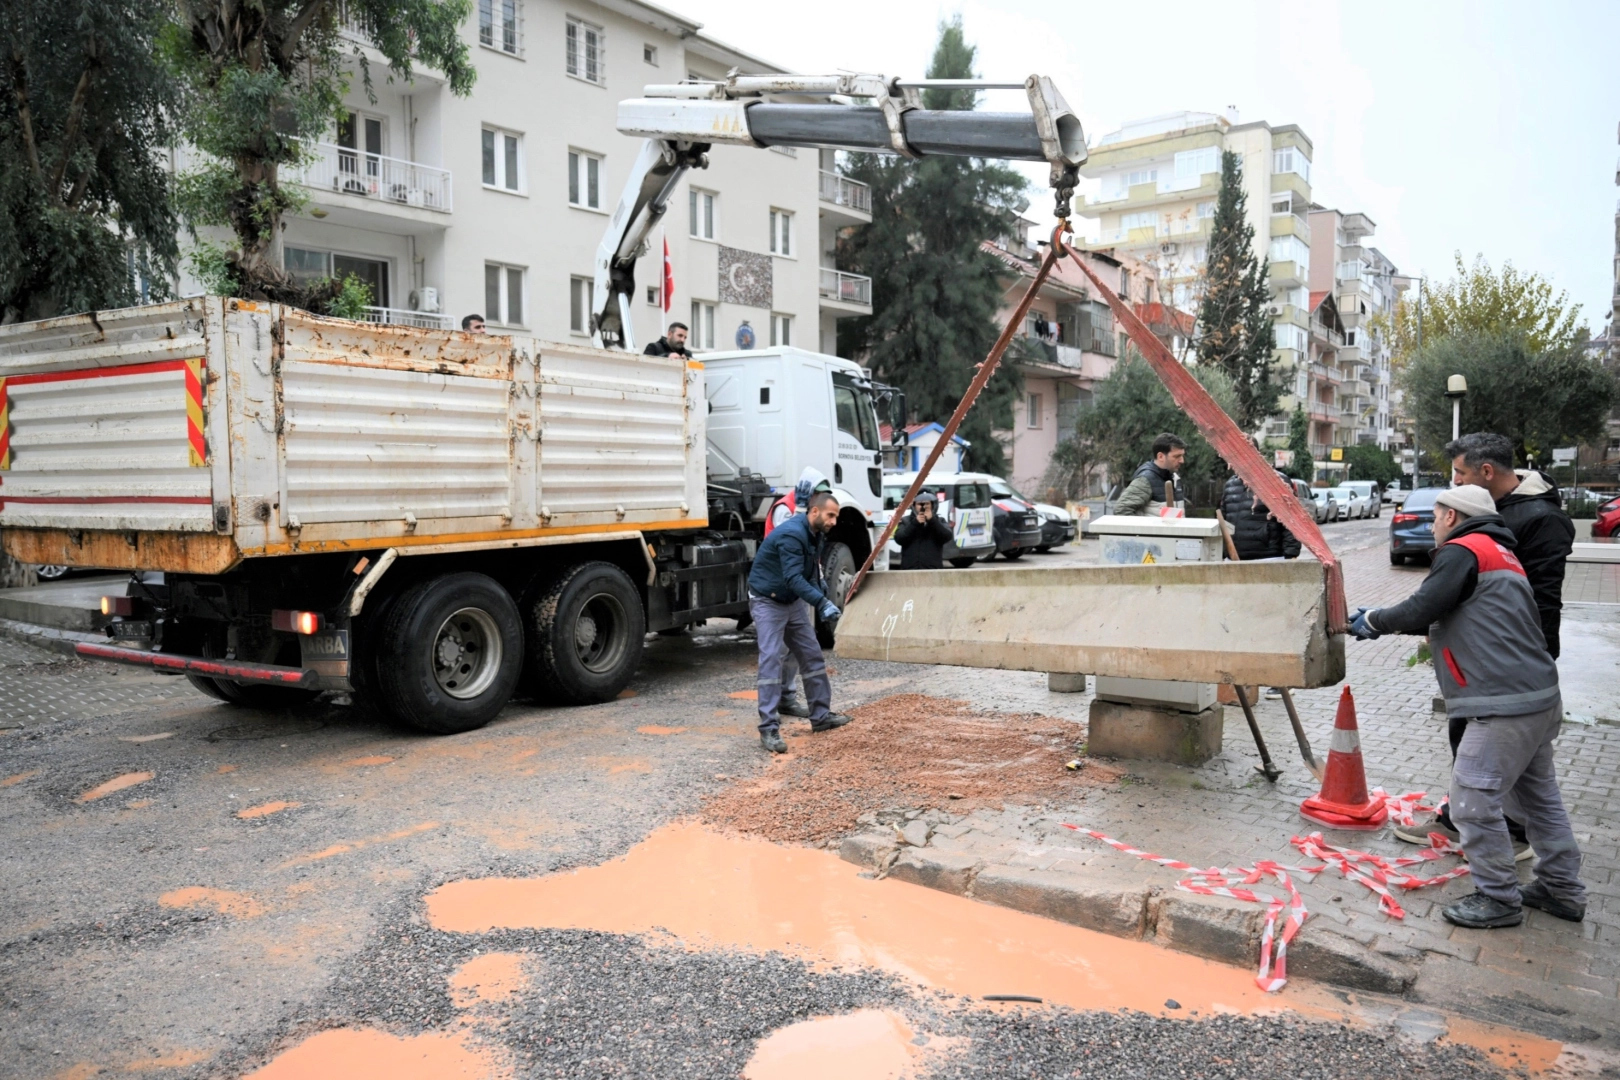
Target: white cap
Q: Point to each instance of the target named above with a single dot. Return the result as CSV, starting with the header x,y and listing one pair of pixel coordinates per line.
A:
x,y
1471,500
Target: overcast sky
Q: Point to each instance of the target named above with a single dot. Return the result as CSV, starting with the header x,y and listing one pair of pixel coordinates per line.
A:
x,y
1484,127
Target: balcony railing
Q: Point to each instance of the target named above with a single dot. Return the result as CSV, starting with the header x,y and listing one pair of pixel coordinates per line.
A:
x,y
373,176
1070,357
842,191
845,287
400,317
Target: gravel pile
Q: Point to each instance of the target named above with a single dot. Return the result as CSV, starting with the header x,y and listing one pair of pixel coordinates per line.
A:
x,y
907,750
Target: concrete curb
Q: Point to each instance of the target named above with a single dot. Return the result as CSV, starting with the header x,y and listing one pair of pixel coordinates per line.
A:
x,y
47,637
1114,903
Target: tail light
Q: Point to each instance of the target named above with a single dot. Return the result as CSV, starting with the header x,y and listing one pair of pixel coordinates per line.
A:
x,y
1404,519
118,605
296,622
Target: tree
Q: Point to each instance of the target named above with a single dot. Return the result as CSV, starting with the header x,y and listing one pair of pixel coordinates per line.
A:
x,y
935,293
1301,465
1483,301
1540,399
84,199
265,78
1132,407
1234,319
1368,462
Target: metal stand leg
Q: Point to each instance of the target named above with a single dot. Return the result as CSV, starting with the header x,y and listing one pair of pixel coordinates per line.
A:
x,y
1265,768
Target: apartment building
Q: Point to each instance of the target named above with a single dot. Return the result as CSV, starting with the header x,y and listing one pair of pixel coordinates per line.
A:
x,y
1366,286
495,203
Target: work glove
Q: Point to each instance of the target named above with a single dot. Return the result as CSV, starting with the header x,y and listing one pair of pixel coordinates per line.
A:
x,y
1361,628
829,612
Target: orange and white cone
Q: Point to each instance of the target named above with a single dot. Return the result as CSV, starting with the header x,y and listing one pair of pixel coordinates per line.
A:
x,y
1343,802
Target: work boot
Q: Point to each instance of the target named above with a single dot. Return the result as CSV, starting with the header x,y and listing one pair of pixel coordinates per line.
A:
x,y
1537,895
793,705
1419,833
1477,911
771,739
830,721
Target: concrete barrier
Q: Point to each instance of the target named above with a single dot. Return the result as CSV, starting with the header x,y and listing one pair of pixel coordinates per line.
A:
x,y
1263,622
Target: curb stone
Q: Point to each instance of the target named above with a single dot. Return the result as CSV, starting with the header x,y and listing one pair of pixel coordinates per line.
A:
x,y
47,637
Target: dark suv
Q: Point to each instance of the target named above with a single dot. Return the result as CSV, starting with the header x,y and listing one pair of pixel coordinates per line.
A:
x,y
1411,527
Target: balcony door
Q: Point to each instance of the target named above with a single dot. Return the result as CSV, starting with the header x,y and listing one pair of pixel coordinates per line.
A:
x,y
373,272
360,138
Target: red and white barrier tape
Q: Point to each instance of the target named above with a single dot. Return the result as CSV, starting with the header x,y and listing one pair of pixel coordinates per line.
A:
x,y
1374,871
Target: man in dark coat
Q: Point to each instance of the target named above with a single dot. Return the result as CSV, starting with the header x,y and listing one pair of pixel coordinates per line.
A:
x,y
1255,532
1529,504
922,536
673,343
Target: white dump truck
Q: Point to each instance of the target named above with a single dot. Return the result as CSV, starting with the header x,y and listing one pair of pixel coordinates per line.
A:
x,y
432,520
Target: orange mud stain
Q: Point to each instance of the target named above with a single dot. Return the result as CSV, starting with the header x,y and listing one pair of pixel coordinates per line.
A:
x,y
1505,1047
241,905
708,889
374,759
82,1071
522,755
117,783
615,764
179,1059
723,712
19,778
488,979
659,729
626,693
367,1054
266,809
871,1044
226,769
356,845
745,695
146,738
138,804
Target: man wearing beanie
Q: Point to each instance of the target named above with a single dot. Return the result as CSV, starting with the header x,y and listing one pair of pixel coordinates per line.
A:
x,y
1494,669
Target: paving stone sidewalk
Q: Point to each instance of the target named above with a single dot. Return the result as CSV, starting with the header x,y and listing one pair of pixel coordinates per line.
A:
x,y
1556,978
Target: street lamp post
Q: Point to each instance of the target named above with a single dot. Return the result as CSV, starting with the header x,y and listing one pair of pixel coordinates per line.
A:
x,y
1456,390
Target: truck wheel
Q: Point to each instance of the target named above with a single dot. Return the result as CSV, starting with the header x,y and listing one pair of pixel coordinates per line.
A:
x,y
584,635
962,564
838,565
449,652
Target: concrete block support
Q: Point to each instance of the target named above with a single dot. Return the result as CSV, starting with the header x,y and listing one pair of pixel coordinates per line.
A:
x,y
1147,733
1065,682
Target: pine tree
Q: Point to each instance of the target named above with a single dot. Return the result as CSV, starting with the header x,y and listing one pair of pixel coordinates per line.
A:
x,y
1234,320
935,294
1303,466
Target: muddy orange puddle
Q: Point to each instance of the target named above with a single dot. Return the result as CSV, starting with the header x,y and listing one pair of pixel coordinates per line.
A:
x,y
710,889
117,783
365,1054
1508,1048
223,901
493,977
870,1044
266,809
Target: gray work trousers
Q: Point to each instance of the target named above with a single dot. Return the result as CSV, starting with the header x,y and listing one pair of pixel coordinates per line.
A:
x,y
790,668
1505,766
788,628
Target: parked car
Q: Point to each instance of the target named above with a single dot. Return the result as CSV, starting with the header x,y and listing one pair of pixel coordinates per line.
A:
x,y
1352,503
1411,528
1396,492
1306,496
1018,528
1057,527
51,572
1326,506
1608,519
1370,494
967,498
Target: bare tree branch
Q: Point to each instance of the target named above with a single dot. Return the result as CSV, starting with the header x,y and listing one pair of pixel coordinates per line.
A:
x,y
296,29
70,131
25,115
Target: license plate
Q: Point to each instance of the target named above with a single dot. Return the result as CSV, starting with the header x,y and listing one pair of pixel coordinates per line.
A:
x,y
1425,528
975,530
130,628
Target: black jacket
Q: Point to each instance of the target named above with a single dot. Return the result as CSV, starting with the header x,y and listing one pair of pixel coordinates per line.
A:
x,y
662,347
1545,538
922,547
1450,582
1254,534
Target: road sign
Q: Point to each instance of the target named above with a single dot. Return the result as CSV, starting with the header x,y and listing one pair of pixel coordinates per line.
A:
x,y
1564,454
1283,459
1337,454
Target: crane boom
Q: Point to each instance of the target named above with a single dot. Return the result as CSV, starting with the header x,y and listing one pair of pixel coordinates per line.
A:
x,y
872,113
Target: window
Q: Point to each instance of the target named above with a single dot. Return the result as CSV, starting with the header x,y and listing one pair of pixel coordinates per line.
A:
x,y
309,266
649,54
781,232
1290,159
781,330
1291,249
701,203
1289,336
702,328
1350,271
500,25
584,180
1195,163
1141,176
1206,209
1144,219
584,52
503,294
360,159
1032,410
503,160
579,305
1282,203
852,403
654,299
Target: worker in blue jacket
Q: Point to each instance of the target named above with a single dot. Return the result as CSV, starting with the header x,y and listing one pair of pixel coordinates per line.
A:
x,y
782,592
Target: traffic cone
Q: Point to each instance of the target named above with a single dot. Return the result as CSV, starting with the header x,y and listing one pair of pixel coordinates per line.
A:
x,y
1343,802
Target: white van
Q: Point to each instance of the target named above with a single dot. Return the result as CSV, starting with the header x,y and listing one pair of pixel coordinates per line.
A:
x,y
1369,492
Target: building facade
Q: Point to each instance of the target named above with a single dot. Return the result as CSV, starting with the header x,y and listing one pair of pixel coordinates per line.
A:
x,y
496,203
1366,286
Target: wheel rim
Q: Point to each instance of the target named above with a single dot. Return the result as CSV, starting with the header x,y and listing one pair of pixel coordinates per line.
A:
x,y
599,633
467,653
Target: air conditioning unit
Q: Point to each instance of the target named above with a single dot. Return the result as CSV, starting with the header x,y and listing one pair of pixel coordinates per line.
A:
x,y
1276,309
425,299
1169,248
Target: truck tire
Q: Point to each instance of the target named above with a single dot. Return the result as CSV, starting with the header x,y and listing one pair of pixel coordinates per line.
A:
x,y
449,652
583,635
838,566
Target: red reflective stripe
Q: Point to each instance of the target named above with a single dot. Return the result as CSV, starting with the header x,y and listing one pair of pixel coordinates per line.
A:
x,y
228,669
1456,672
1490,555
98,373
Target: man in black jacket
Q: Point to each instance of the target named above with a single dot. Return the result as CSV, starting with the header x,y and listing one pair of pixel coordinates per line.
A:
x,y
673,343
1256,532
1529,504
1153,486
922,536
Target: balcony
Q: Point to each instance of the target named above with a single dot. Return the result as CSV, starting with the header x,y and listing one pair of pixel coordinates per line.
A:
x,y
845,292
1287,275
357,188
1325,374
401,317
846,201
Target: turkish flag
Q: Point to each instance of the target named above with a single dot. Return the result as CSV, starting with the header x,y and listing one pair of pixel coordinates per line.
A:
x,y
669,277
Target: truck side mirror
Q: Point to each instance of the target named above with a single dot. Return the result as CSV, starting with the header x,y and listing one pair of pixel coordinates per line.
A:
x,y
897,418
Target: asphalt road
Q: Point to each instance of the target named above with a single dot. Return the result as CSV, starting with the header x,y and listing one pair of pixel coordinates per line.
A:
x,y
188,888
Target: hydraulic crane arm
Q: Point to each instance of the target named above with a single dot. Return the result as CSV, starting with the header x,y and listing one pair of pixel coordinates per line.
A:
x,y
847,112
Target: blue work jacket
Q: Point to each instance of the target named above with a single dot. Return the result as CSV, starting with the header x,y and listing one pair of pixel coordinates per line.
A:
x,y
787,566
